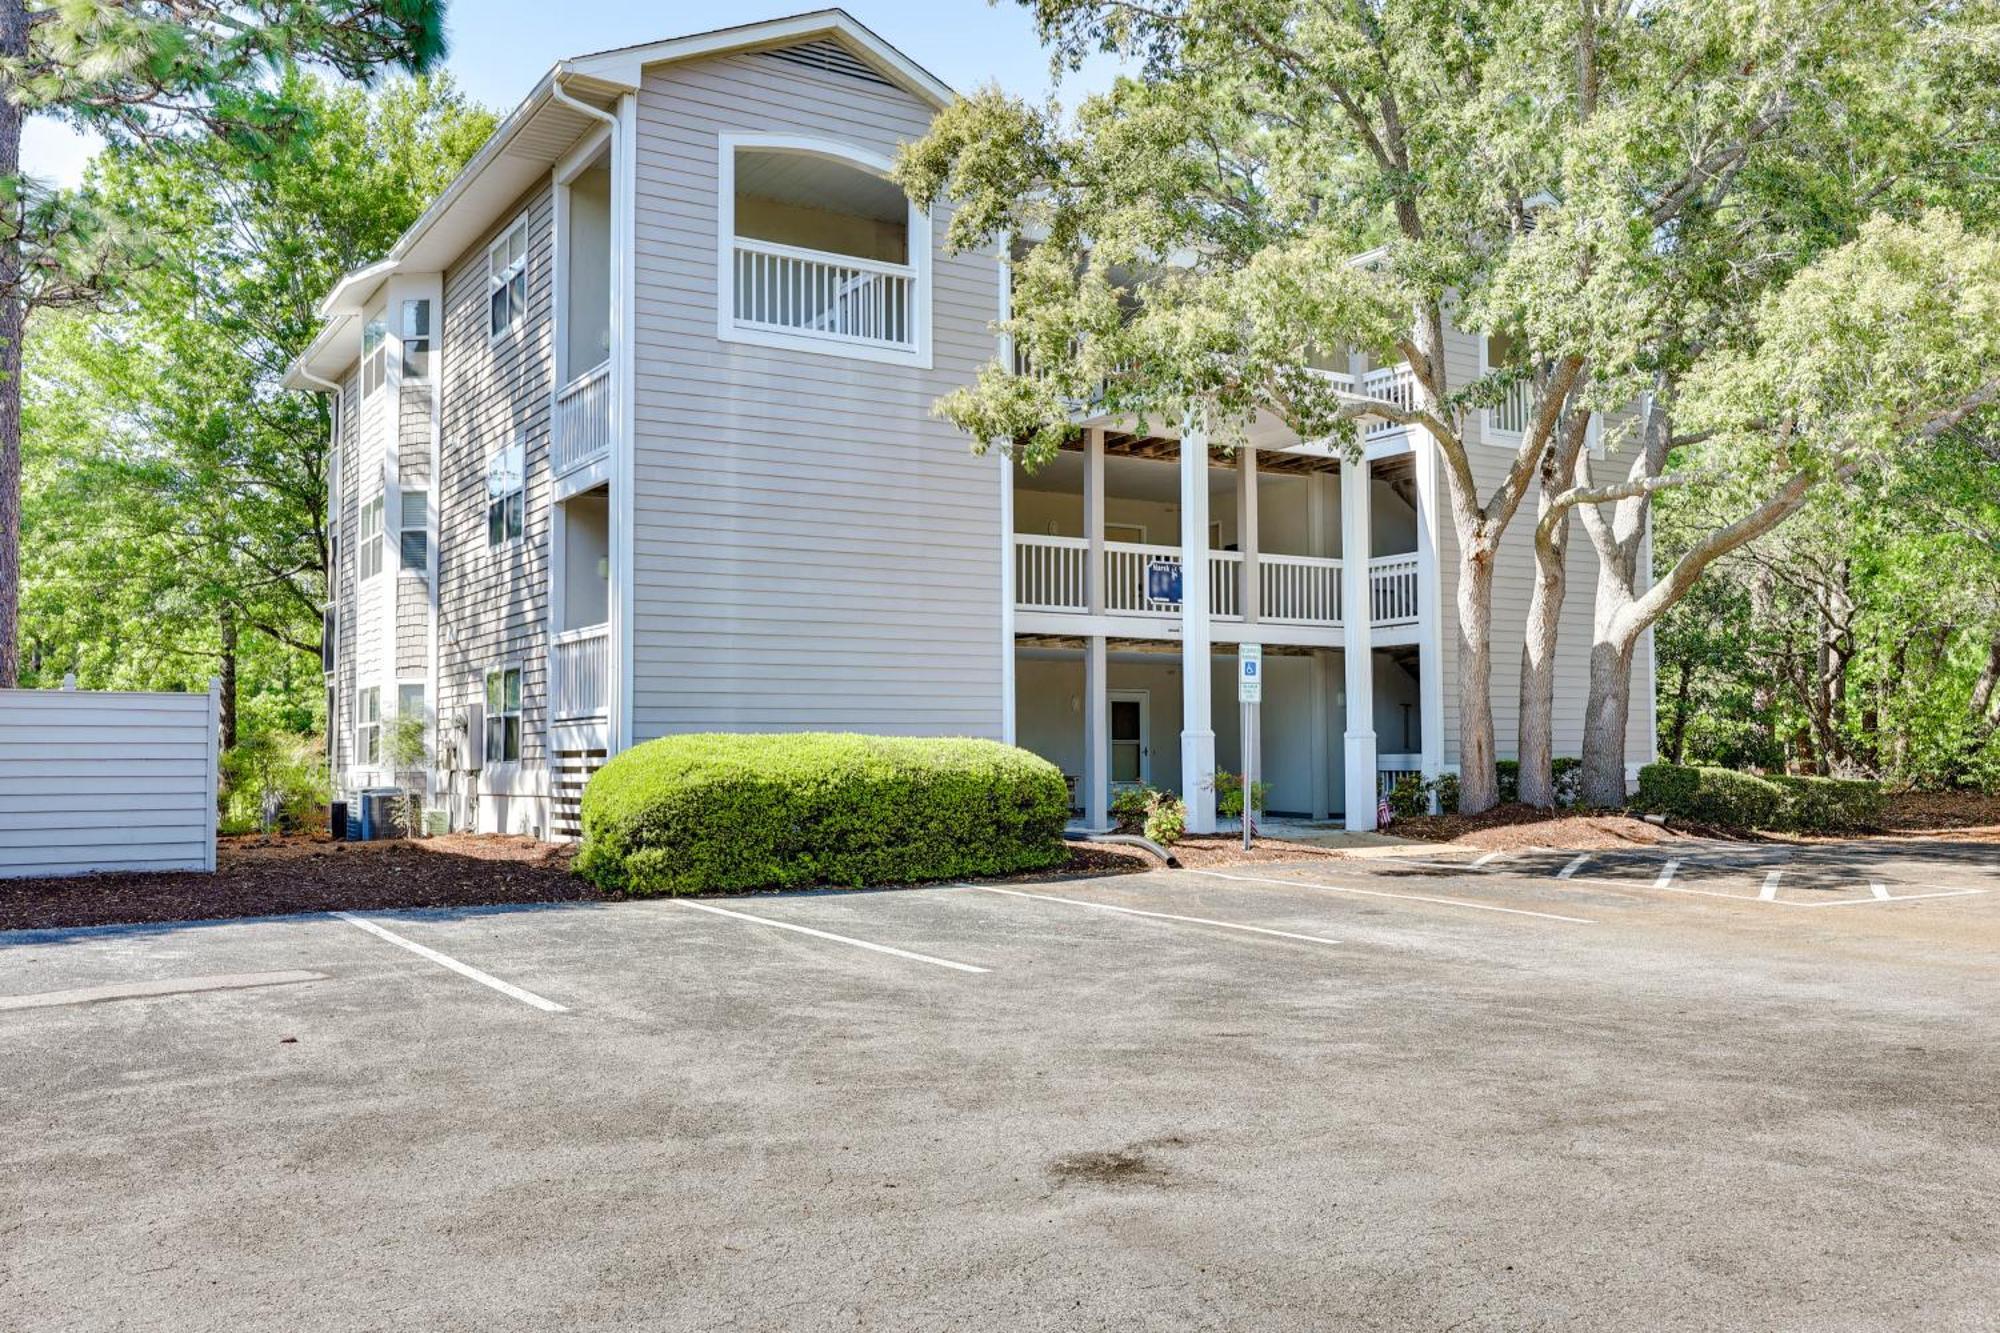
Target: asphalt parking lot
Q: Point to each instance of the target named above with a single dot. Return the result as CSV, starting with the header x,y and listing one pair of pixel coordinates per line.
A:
x,y
1754,1088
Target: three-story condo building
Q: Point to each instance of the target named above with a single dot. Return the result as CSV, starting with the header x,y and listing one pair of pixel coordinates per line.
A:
x,y
634,435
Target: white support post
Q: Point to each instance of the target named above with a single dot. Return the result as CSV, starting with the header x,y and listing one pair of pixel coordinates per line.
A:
x,y
1096,737
1250,594
1007,594
1357,638
1197,725
1430,654
1318,719
1093,520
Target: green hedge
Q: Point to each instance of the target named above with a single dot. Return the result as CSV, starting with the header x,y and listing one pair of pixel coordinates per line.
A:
x,y
709,813
1725,797
1829,805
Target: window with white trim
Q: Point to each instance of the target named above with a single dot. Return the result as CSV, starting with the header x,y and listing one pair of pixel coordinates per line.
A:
x,y
507,280
416,340
409,698
413,532
368,726
505,495
368,559
503,715
374,356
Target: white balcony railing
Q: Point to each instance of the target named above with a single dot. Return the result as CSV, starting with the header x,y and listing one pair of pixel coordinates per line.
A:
x,y
786,289
1048,572
1298,589
582,428
1292,589
1392,589
580,673
1393,768
1394,384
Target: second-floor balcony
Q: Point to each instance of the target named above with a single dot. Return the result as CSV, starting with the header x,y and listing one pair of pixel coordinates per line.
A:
x,y
1144,580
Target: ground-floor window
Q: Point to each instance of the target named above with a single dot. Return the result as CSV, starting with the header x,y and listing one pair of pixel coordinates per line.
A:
x,y
503,715
368,726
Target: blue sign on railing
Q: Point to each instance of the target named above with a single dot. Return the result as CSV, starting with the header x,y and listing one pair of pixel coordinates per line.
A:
x,y
1163,581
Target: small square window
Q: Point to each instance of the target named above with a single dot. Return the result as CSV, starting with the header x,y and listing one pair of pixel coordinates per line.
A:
x,y
410,700
414,539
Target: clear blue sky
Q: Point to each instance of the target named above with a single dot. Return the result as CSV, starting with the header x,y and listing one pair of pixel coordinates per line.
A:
x,y
500,47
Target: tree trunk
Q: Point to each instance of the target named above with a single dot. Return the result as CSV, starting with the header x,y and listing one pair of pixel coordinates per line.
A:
x,y
1535,745
1604,718
227,673
13,318
1478,785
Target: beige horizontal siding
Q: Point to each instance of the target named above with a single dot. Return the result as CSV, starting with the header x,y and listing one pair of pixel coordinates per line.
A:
x,y
813,547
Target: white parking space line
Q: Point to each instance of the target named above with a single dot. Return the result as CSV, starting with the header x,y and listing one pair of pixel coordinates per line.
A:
x,y
1487,859
1665,879
144,990
1160,916
1411,897
1569,871
829,935
1878,888
1889,898
463,969
1769,893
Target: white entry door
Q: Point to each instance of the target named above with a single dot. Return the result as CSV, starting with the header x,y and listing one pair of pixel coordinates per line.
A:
x,y
1131,732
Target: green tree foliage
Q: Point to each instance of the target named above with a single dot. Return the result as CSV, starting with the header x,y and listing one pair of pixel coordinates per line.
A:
x,y
161,75
1561,172
176,498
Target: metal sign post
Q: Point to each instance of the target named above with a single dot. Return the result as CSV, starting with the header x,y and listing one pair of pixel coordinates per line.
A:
x,y
1249,693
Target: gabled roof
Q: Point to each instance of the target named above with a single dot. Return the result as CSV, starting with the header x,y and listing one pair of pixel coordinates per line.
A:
x,y
536,134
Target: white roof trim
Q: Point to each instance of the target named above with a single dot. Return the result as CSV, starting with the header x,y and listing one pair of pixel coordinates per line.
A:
x,y
626,65
351,293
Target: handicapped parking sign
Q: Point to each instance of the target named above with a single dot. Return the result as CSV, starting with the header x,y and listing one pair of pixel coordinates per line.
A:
x,y
1250,673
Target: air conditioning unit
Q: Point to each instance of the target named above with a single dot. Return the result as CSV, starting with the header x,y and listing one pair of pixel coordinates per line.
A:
x,y
381,812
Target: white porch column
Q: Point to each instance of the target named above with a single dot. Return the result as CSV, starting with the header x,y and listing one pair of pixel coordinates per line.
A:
x,y
1093,520
1357,637
1318,719
1096,736
1430,644
1197,726
1250,594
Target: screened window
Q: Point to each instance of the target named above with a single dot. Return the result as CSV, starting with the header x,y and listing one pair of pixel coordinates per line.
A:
x,y
369,558
416,340
410,699
505,498
368,726
414,534
503,715
507,280
374,356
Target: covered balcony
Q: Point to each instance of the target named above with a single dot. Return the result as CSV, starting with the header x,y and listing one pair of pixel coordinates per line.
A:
x,y
1296,552
822,253
583,415
580,639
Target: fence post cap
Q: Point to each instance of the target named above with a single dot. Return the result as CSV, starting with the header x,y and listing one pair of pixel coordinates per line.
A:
x,y
69,680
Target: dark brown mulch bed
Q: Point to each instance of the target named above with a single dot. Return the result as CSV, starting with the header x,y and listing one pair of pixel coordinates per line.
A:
x,y
1514,826
1935,811
285,876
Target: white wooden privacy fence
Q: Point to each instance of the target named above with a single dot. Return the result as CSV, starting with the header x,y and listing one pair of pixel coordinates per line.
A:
x,y
104,781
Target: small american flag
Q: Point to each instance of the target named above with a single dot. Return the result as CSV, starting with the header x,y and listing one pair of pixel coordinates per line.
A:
x,y
1384,816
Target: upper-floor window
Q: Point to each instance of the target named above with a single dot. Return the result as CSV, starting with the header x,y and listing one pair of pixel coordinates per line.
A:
x,y
820,251
505,495
374,356
417,340
507,280
410,699
413,539
368,556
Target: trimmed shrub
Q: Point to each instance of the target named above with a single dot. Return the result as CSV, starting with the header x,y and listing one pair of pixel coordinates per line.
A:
x,y
1410,797
1507,778
710,813
1828,805
1229,795
1129,806
1566,772
1720,796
